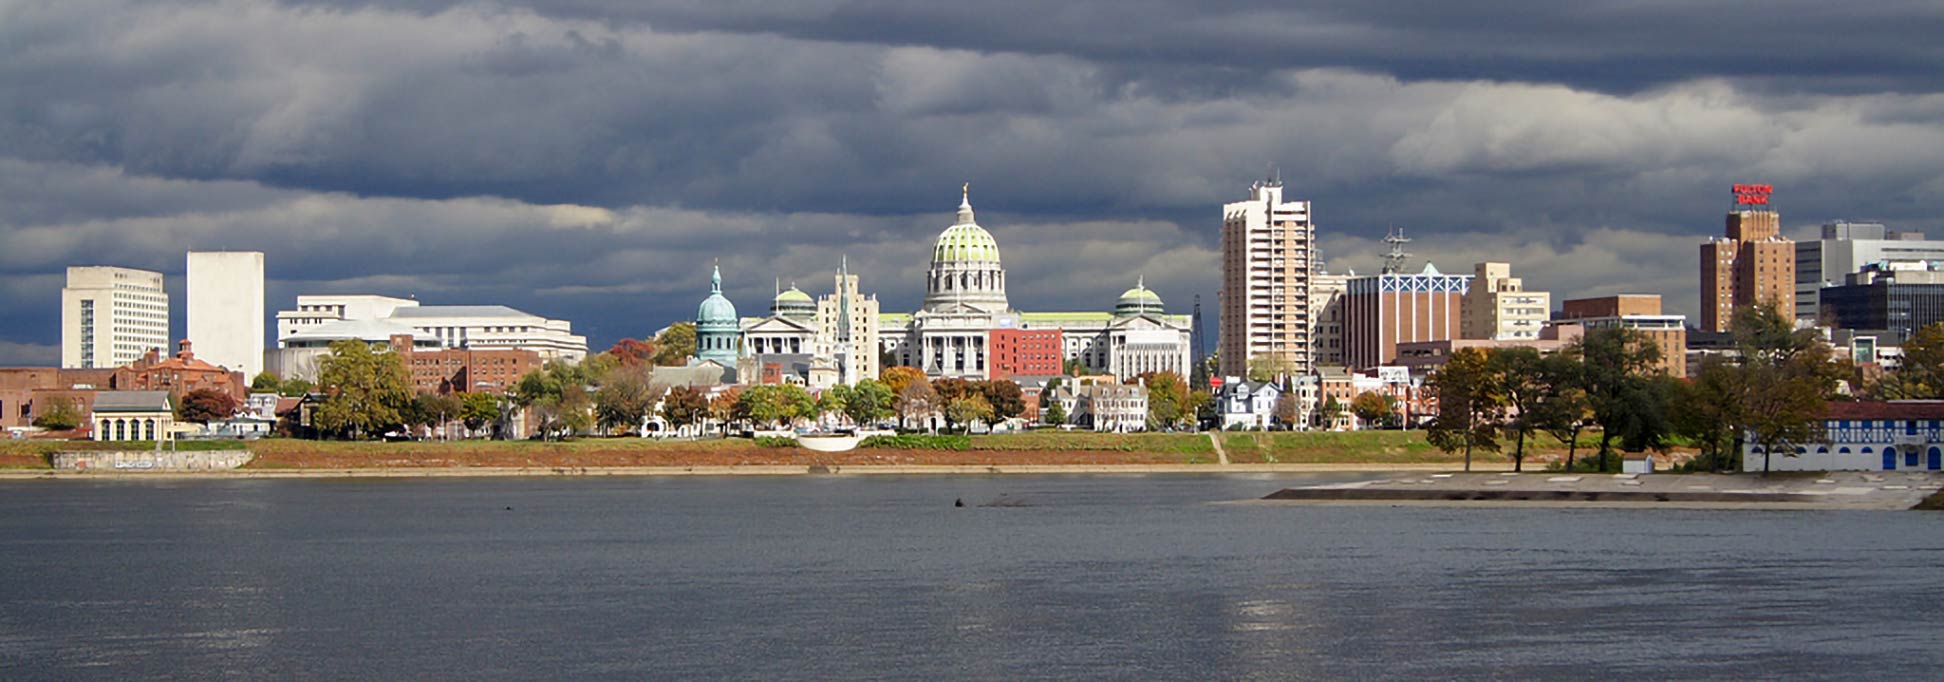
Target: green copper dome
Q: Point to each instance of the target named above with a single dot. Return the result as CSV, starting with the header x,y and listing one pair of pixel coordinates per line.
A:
x,y
793,303
716,311
965,241
1138,300
717,329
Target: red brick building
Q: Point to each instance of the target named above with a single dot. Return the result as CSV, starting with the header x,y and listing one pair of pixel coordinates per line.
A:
x,y
26,392
461,370
180,374
1024,352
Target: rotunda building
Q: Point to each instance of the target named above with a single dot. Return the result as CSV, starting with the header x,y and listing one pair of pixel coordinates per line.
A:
x,y
717,329
965,270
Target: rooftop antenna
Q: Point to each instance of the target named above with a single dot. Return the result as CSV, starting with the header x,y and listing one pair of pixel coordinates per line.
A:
x,y
1201,348
1394,261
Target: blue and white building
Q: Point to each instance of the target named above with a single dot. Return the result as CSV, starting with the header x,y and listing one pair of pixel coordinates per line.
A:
x,y
1903,435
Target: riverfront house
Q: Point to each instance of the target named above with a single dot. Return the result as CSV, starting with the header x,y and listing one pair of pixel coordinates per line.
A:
x,y
1903,435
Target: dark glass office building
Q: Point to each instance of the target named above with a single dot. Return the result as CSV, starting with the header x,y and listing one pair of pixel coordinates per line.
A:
x,y
1885,305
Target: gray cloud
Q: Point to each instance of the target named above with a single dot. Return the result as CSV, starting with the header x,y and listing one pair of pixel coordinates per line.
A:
x,y
587,159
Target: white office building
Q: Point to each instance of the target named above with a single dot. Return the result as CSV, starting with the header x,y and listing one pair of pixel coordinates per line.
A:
x,y
1845,249
479,327
225,294
110,316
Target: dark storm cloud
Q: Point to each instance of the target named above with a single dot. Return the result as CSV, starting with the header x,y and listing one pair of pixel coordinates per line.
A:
x,y
587,160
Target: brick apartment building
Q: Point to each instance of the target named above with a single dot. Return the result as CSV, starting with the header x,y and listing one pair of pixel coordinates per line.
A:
x,y
461,370
1024,352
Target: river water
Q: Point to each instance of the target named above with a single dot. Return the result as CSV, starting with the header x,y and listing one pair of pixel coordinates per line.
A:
x,y
1123,577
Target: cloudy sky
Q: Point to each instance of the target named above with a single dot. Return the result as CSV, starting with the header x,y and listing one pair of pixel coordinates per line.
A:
x,y
587,159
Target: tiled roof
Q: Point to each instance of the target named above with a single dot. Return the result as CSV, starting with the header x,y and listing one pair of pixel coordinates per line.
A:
x,y
1898,409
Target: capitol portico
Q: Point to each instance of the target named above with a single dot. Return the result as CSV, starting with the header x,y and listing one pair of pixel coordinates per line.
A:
x,y
966,327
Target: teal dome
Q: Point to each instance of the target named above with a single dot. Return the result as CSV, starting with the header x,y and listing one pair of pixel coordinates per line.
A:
x,y
1138,300
718,331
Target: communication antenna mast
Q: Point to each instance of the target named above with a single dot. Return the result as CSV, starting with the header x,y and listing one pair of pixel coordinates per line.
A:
x,y
1201,348
1394,261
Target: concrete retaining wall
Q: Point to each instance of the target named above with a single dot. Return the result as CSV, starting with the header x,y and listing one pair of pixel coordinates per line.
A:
x,y
145,460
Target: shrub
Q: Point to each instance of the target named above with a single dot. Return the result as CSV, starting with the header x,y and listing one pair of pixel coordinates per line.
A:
x,y
916,442
776,442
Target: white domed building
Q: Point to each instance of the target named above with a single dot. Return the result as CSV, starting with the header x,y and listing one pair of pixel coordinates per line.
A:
x,y
966,328
966,310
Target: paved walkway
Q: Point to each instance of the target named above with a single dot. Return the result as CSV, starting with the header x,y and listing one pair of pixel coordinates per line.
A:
x,y
1833,490
1221,456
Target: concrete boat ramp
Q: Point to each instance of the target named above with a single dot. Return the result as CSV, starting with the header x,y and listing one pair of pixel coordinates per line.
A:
x,y
1834,490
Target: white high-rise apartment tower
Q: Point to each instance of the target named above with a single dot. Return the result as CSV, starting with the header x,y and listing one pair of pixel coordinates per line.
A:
x,y
111,316
1268,249
225,294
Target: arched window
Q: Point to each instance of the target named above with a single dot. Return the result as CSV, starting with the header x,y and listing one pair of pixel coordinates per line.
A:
x,y
121,429
1843,450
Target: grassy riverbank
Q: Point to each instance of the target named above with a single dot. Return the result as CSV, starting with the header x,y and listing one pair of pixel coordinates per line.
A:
x,y
1026,449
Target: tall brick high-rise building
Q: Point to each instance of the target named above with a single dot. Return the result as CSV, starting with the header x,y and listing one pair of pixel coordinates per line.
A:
x,y
1753,263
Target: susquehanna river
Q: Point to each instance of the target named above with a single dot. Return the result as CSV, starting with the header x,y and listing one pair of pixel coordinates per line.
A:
x,y
1121,577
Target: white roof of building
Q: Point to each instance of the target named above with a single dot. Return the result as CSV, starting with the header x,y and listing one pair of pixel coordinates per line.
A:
x,y
444,311
363,330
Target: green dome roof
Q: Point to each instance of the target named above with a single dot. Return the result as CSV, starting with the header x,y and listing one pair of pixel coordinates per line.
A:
x,y
1137,300
716,311
793,303
965,243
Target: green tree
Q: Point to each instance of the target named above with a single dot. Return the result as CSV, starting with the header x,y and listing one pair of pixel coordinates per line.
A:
x,y
1616,371
1055,412
1374,408
1921,374
675,345
1521,374
870,402
477,410
1202,406
1703,409
265,382
1563,411
59,414
777,404
833,400
625,398
1004,396
1331,408
1073,367
1782,380
969,408
1469,403
432,410
684,405
366,393
1167,398
295,388
1269,366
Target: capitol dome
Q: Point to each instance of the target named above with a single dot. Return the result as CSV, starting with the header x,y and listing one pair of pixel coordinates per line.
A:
x,y
716,326
1138,300
965,271
793,303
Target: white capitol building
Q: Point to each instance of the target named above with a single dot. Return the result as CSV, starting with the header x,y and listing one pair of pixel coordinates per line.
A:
x,y
953,334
